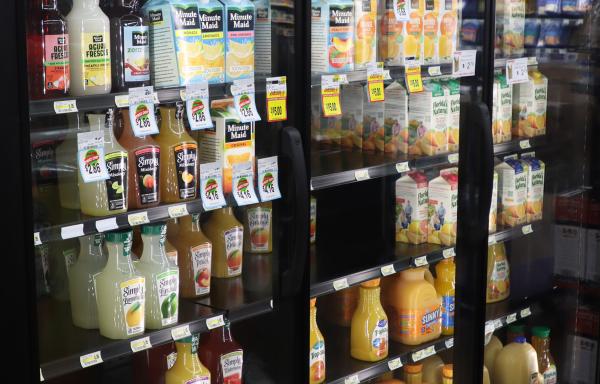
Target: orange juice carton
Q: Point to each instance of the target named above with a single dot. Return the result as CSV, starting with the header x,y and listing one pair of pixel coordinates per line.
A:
x,y
412,204
452,93
400,39
365,33
325,131
512,21
535,187
529,105
512,192
239,39
448,30
430,47
332,36
229,142
396,119
213,40
262,37
373,120
442,210
504,100
428,120
352,116
493,205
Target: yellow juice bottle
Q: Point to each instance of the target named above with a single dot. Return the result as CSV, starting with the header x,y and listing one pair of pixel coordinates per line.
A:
x,y
413,373
187,368
317,348
445,272
447,374
369,329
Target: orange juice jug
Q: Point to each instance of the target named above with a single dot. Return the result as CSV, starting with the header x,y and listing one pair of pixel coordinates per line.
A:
x,y
490,352
498,274
540,339
317,348
194,251
187,368
445,272
227,236
516,363
413,307
413,373
369,328
447,374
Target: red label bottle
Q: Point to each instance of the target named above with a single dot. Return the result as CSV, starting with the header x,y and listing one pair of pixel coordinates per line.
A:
x,y
222,355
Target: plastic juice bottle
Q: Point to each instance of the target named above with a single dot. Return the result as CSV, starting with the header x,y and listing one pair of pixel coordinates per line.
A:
x,y
187,368
412,204
498,274
120,290
62,256
89,49
445,272
447,374
317,348
369,328
332,36
239,39
413,373
514,331
194,252
516,363
213,40
258,225
106,197
227,236
162,277
66,156
178,163
491,350
432,369
365,32
222,355
130,45
413,307
540,339
143,153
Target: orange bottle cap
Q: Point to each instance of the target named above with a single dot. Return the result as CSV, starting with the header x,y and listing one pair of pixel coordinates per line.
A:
x,y
447,371
413,368
371,283
313,302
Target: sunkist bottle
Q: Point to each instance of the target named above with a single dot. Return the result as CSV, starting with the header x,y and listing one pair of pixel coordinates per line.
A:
x,y
222,355
227,236
130,45
120,290
187,368
540,340
445,272
413,373
143,185
369,329
317,348
179,154
90,262
258,225
162,278
195,251
89,49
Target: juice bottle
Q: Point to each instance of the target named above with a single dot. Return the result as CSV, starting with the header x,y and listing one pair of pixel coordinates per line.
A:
x,y
413,307
432,369
151,365
130,45
213,40
493,216
162,279
120,290
445,272
187,368
227,236
66,156
89,49
447,374
106,197
143,154
317,348
239,39
90,262
516,363
490,353
194,251
178,163
369,329
365,32
514,331
222,355
540,339
413,373
498,274
61,258
258,225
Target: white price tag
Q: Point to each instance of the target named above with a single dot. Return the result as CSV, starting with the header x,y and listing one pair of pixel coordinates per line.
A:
x,y
512,156
525,144
525,155
243,184
138,218
388,270
268,179
497,324
141,344
511,318
421,261
244,101
90,359
122,101
215,322
449,252
271,303
340,284
489,327
434,71
449,343
197,106
178,210
527,229
71,231
394,364
90,156
387,75
211,186
423,353
107,224
361,174
516,71
525,312
492,239
141,111
181,332
402,167
328,80
41,376
401,9
351,380
37,240
453,158
65,106
463,63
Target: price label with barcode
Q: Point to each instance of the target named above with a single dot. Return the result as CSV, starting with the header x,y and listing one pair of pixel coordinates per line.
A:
x,y
90,156
65,106
375,87
141,111
525,312
394,364
211,186
268,178
352,379
527,229
138,218
178,210
414,82
361,174
340,284
90,359
463,63
244,101
402,167
423,353
276,99
181,332
388,270
421,261
449,343
516,71
511,318
453,158
524,144
215,322
197,106
243,184
330,98
140,344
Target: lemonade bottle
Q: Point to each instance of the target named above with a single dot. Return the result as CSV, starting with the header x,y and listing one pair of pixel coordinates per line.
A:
x,y
258,225
365,32
61,258
540,339
120,290
369,329
227,236
239,39
162,277
413,373
445,272
213,40
317,348
187,368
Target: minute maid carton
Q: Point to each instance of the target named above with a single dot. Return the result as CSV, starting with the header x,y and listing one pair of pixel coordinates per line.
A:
x,y
428,120
332,36
529,105
512,192
412,202
239,39
443,208
213,40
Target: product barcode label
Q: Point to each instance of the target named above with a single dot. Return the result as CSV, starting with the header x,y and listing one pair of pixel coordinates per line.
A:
x,y
361,174
497,324
527,229
525,144
37,239
340,284
244,100
138,218
65,106
388,270
453,158
141,344
449,343
106,224
423,353
122,101
90,359
511,318
71,231
402,167
178,210
215,322
449,252
420,261
352,380
394,364
181,332
525,312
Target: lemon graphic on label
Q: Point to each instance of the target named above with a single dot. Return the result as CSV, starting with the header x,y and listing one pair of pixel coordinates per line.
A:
x,y
133,318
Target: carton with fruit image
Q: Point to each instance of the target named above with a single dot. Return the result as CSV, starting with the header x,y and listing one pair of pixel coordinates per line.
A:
x,y
494,205
504,99
428,120
448,30
443,204
535,188
332,36
452,93
390,43
365,32
430,32
132,298
239,39
529,105
412,207
395,123
373,120
512,192
512,19
352,116
213,40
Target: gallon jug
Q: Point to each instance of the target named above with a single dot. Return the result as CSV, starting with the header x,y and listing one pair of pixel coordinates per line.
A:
x,y
516,363
490,353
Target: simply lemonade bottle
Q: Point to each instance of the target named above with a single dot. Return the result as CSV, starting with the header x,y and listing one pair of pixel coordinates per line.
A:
x,y
162,277
369,329
445,272
317,348
227,236
187,368
120,290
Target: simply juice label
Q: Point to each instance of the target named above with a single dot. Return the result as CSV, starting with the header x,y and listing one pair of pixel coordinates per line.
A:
x,y
213,41
317,361
132,297
420,322
185,166
428,120
116,184
443,208
396,119
56,62
147,161
379,338
95,59
136,52
412,203
535,188
231,367
211,186
239,40
512,192
234,243
259,224
167,285
201,261
365,32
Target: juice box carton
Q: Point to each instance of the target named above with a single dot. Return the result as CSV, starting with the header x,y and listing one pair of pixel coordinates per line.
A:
x,y
213,40
448,30
412,206
365,33
452,93
530,100
443,208
428,120
332,36
400,39
504,109
263,36
373,122
352,116
513,33
535,187
494,205
175,42
430,32
395,125
512,192
228,142
239,39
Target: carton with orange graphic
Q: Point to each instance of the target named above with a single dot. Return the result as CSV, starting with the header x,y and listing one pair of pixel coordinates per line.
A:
x,y
443,208
365,32
332,36
535,188
448,30
428,120
396,119
373,121
529,105
430,32
412,204
512,192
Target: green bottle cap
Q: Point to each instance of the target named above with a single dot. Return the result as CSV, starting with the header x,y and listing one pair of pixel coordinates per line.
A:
x,y
118,236
540,332
154,229
517,329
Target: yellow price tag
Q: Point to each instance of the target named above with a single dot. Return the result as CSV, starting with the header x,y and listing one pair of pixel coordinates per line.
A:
x,y
276,110
375,82
331,101
414,82
376,92
276,99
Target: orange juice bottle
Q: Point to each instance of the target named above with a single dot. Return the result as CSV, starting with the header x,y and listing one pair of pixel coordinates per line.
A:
x,y
317,348
498,274
369,329
413,373
447,374
187,368
227,236
445,272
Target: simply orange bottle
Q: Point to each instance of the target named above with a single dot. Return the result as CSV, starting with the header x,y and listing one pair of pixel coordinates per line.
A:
x,y
317,348
227,236
369,328
445,272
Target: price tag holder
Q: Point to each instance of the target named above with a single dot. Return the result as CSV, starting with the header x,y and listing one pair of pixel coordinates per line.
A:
x,y
178,211
376,92
90,359
423,353
122,101
434,71
361,174
330,96
107,224
37,240
401,9
420,261
453,158
525,312
138,218
141,344
525,144
197,106
525,155
243,184
516,71
276,99
268,179
463,63
65,106
414,82
402,167
215,322
497,324
71,231
244,101
141,111
340,284
449,252
181,332
489,327
491,239
90,156
211,186
527,229
449,343
511,318
394,364
352,379
388,270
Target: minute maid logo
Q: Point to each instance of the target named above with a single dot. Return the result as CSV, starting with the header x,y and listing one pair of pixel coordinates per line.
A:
x,y
237,131
211,21
241,19
186,18
155,16
139,38
341,16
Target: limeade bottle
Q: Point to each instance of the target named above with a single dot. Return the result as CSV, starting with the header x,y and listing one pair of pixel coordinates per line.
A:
x,y
317,348
445,272
162,278
227,236
89,49
187,368
369,329
120,290
81,281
